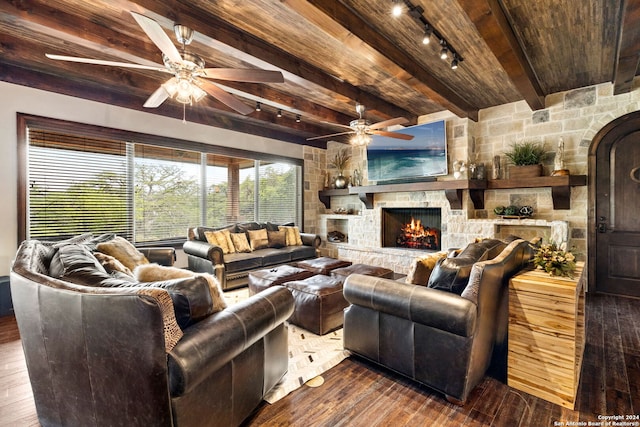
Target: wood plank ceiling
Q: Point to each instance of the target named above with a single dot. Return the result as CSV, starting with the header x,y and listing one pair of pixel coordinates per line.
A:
x,y
332,54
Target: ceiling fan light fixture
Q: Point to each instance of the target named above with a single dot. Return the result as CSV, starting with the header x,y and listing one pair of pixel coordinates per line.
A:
x,y
360,139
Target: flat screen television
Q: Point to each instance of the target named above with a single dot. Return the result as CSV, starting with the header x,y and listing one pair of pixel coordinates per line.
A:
x,y
420,159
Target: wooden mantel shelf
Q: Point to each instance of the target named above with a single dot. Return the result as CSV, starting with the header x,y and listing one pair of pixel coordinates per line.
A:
x,y
560,186
560,189
453,190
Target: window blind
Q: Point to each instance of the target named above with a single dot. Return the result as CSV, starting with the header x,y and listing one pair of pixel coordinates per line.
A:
x,y
76,185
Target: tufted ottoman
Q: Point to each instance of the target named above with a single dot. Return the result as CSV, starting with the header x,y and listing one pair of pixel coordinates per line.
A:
x,y
367,270
323,265
263,279
319,303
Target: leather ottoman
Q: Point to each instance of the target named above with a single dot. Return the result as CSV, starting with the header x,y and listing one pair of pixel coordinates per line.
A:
x,y
319,303
323,265
367,270
263,279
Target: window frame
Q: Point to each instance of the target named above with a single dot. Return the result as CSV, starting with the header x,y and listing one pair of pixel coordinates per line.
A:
x,y
24,121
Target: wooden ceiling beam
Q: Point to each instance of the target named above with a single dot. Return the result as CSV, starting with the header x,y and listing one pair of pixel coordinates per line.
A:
x,y
494,27
628,55
69,30
388,55
252,50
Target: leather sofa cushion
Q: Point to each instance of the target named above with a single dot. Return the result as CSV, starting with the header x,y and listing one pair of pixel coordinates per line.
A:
x,y
242,261
299,252
452,274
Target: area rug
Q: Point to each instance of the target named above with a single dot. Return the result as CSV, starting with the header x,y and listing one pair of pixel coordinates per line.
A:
x,y
309,355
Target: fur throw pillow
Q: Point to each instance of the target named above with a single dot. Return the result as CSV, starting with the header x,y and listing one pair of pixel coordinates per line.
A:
x,y
112,264
123,251
155,272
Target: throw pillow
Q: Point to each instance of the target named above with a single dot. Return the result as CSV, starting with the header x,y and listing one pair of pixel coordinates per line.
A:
x,y
421,268
258,239
155,272
240,242
221,238
293,235
111,264
277,239
123,251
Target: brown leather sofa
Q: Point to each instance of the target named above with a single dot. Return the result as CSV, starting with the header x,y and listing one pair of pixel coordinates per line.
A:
x,y
232,269
438,338
100,355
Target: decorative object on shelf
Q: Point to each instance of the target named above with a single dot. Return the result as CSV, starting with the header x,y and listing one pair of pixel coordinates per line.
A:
x,y
558,164
326,179
513,212
340,161
356,179
555,260
336,237
340,211
459,167
481,171
527,157
495,172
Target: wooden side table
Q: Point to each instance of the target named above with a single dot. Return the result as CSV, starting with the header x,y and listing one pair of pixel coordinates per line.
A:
x,y
546,334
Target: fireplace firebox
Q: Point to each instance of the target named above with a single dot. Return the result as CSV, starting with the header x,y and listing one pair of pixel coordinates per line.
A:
x,y
412,228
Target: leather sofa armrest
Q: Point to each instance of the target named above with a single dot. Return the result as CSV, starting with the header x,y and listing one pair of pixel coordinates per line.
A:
x,y
309,239
163,256
204,250
431,307
211,343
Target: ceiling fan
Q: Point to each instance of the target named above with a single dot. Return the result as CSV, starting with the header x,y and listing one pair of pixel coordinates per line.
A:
x,y
188,83
363,129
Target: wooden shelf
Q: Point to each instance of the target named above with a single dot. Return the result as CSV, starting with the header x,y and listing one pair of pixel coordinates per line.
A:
x,y
453,191
560,186
560,189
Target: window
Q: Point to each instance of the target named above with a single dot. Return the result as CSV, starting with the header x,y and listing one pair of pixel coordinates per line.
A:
x,y
78,178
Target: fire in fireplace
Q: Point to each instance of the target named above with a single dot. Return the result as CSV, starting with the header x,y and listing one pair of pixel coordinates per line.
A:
x,y
415,236
413,228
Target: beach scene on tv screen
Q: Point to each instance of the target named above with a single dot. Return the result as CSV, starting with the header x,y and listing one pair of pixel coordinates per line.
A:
x,y
423,156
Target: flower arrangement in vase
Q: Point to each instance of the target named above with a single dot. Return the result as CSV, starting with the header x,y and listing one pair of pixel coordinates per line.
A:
x,y
555,260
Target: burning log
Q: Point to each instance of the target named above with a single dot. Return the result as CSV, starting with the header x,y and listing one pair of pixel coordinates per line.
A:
x,y
416,236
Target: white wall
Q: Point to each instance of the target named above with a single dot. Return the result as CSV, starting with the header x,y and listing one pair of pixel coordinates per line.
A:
x,y
21,99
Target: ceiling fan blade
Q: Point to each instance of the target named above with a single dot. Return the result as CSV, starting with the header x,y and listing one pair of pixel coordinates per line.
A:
x,y
225,97
328,136
157,98
102,62
157,35
392,134
244,75
390,122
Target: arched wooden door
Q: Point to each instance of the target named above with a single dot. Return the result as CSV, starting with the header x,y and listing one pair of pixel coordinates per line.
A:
x,y
615,237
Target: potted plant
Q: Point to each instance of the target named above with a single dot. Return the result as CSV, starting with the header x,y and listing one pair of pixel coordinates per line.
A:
x,y
339,162
527,157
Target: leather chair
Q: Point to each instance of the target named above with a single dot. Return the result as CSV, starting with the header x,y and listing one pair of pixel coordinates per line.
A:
x,y
100,356
438,338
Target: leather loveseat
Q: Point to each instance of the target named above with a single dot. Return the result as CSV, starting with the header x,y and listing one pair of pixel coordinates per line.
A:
x,y
439,338
118,352
232,268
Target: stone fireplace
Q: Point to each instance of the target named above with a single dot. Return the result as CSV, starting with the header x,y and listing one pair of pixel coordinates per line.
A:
x,y
411,228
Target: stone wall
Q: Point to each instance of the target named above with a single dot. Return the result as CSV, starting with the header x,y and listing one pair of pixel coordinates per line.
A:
x,y
575,116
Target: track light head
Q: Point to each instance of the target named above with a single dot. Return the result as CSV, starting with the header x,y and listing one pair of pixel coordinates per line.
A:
x,y
454,63
298,118
427,34
444,53
258,106
396,9
279,112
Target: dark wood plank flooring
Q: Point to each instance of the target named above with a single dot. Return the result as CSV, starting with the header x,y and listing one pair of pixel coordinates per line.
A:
x,y
357,393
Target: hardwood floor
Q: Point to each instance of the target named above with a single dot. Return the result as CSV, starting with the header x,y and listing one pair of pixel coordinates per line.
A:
x,y
357,393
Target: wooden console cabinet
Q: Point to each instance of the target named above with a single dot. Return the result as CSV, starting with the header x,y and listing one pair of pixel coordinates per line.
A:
x,y
546,334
